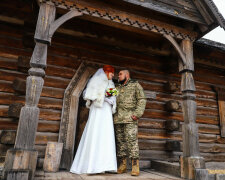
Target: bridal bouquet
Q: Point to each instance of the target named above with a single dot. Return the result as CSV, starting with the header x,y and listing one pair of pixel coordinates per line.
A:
x,y
111,92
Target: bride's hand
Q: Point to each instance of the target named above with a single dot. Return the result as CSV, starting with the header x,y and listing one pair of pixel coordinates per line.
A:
x,y
108,100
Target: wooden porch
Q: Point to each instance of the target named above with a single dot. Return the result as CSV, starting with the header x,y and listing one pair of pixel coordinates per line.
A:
x,y
63,175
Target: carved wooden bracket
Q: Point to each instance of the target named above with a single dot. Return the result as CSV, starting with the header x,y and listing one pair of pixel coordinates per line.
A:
x,y
55,25
177,47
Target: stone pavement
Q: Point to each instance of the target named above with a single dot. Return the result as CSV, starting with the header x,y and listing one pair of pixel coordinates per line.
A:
x,y
146,174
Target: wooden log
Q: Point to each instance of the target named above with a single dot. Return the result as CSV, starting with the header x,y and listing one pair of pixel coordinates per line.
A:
x,y
201,174
18,174
217,157
220,176
6,86
4,148
20,160
159,155
187,48
178,116
156,134
145,164
8,125
208,129
172,145
166,167
41,150
14,110
52,157
8,137
190,140
189,164
221,103
145,144
42,138
48,127
171,86
172,125
40,162
45,18
19,85
27,127
4,111
45,114
200,110
51,70
172,106
23,63
8,63
28,41
212,148
151,123
47,103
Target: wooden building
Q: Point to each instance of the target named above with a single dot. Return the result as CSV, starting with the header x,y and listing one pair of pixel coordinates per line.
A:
x,y
58,44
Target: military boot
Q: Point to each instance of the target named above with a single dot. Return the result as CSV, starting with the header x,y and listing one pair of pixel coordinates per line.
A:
x,y
135,167
122,166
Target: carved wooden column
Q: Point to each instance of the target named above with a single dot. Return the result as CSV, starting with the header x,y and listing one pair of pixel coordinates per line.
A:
x,y
23,156
191,159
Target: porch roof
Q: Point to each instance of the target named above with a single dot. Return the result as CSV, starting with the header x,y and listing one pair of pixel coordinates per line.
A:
x,y
181,19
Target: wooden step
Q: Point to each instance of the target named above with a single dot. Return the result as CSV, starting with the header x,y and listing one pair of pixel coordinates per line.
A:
x,y
166,167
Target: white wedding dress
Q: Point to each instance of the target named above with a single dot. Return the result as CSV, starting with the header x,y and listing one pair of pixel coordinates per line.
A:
x,y
96,152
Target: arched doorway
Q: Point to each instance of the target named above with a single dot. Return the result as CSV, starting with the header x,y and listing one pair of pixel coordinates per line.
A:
x,y
72,113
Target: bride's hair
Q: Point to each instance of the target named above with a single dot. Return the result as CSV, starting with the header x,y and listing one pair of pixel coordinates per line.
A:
x,y
108,68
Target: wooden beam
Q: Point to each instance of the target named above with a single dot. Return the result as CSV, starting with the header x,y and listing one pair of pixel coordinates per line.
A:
x,y
191,156
177,47
11,20
221,105
23,156
55,25
204,12
45,18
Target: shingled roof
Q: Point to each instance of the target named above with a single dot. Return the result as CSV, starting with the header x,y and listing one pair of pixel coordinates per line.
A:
x,y
201,12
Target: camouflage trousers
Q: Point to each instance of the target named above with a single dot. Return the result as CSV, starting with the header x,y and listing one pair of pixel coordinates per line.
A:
x,y
127,140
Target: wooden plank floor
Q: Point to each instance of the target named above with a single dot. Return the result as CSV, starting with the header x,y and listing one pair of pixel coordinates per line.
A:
x,y
144,175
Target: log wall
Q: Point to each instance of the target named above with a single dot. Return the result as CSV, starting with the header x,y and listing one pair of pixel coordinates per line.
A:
x,y
155,73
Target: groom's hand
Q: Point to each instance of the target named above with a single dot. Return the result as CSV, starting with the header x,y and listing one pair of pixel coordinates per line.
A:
x,y
134,117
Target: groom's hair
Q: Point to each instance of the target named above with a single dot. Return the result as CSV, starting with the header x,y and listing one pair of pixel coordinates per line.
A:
x,y
126,71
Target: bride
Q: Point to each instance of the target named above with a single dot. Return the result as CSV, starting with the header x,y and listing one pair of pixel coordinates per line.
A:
x,y
96,152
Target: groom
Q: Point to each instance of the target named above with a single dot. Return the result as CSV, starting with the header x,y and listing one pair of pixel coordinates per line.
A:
x,y
131,103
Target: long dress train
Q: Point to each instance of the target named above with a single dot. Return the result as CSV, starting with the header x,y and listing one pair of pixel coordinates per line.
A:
x,y
96,152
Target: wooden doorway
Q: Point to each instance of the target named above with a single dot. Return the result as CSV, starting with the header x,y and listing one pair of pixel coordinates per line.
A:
x,y
70,112
82,118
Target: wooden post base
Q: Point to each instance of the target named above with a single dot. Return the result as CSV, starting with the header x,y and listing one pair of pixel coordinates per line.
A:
x,y
20,160
52,156
189,164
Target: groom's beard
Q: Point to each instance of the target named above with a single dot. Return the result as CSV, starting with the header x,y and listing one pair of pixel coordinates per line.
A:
x,y
122,81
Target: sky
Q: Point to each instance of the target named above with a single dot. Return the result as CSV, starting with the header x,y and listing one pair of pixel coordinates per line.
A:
x,y
218,34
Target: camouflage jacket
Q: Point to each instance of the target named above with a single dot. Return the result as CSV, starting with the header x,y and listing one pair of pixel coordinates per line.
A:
x,y
130,101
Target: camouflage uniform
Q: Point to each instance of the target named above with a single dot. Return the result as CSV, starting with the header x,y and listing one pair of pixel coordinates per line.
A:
x,y
130,101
